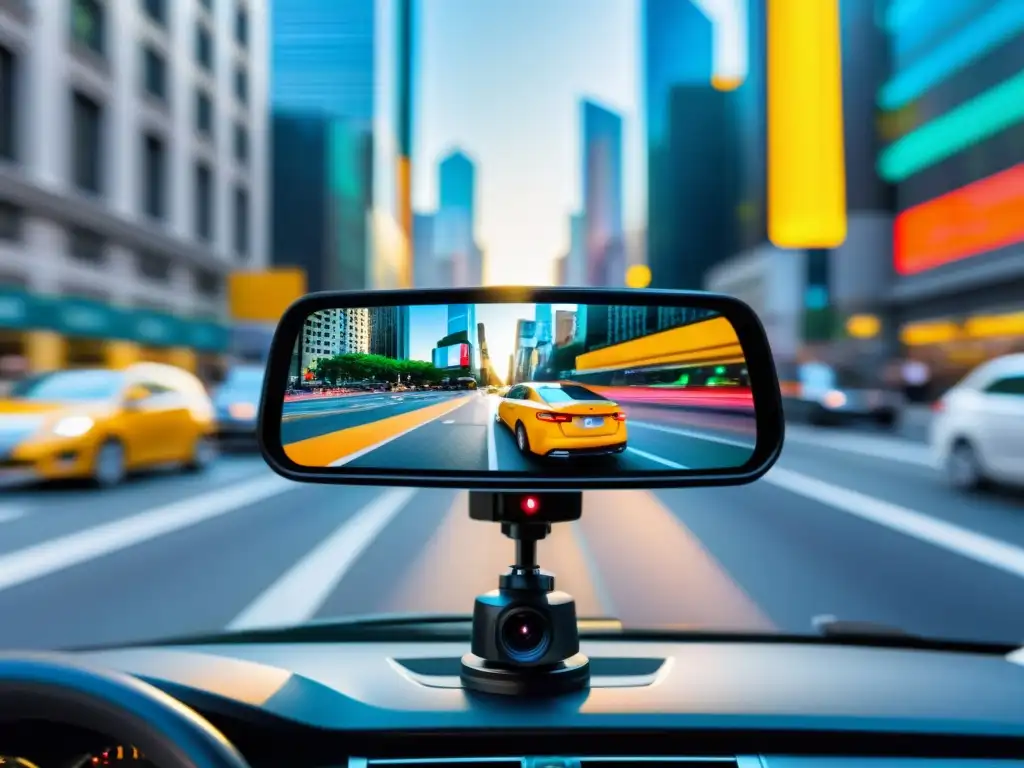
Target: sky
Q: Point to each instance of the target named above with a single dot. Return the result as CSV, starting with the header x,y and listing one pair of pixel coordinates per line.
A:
x,y
429,324
503,80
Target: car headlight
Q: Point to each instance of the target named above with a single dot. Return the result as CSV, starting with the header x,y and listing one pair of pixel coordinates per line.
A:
x,y
242,410
73,426
834,399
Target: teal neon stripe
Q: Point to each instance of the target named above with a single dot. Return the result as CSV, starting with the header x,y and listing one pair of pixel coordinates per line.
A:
x,y
1002,23
983,116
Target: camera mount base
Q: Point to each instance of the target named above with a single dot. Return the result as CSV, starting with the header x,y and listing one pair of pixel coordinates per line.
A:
x,y
525,634
567,676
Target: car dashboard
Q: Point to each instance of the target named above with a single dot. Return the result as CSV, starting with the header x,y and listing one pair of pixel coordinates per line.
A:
x,y
652,703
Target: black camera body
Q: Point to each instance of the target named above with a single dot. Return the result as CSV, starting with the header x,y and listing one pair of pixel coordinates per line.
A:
x,y
525,635
525,629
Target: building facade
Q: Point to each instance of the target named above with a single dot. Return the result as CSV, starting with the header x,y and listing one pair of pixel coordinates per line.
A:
x,y
958,241
131,183
332,332
604,245
323,60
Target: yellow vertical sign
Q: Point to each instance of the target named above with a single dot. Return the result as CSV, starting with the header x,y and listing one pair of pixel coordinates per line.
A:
x,y
806,164
263,296
404,192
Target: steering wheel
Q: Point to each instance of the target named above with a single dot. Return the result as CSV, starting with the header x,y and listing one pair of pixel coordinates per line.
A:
x,y
58,688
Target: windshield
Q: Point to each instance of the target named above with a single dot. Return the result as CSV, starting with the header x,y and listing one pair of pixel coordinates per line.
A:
x,y
69,386
245,378
854,176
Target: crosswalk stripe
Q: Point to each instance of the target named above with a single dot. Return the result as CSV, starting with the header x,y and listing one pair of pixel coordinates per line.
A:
x,y
300,592
66,551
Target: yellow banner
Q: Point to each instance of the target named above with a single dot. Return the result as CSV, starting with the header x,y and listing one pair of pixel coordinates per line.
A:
x,y
262,297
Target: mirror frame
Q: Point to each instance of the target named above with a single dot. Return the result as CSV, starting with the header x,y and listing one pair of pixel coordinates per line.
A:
x,y
770,424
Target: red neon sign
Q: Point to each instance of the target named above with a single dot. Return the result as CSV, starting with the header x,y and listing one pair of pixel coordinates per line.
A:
x,y
969,221
464,355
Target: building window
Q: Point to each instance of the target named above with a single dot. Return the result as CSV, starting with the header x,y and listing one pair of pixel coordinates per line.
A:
x,y
8,100
204,202
204,47
154,164
242,84
241,144
155,266
86,245
204,113
88,24
242,26
86,143
207,4
154,69
156,10
12,219
208,283
241,217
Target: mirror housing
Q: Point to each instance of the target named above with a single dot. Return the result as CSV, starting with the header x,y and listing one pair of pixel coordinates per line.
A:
x,y
749,333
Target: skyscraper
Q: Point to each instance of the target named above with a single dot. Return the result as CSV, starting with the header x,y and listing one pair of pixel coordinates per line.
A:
x,y
322,102
389,332
693,187
424,262
460,260
322,58
457,183
604,246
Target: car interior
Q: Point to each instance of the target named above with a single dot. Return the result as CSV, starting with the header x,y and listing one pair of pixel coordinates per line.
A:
x,y
520,680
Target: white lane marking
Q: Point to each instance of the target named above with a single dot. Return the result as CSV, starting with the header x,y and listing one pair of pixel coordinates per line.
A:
x,y
492,447
300,592
975,546
655,459
82,546
893,449
691,433
9,512
362,452
448,421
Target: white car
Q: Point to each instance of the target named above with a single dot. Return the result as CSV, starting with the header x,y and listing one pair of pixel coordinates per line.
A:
x,y
977,433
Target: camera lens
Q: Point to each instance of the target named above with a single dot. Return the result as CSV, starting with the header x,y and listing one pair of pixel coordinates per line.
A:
x,y
525,634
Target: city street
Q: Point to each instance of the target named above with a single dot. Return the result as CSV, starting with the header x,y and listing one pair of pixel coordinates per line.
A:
x,y
850,524
458,431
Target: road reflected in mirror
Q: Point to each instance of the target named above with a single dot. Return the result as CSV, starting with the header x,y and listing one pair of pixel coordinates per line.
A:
x,y
560,390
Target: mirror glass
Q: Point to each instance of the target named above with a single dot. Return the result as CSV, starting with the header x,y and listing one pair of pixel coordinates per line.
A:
x,y
553,389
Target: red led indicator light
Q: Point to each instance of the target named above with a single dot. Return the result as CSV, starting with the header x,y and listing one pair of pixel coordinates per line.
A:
x,y
530,505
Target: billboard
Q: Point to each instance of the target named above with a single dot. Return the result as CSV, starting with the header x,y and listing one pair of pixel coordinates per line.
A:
x,y
452,356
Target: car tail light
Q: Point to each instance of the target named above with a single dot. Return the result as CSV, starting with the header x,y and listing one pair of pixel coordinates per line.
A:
x,y
938,406
620,416
558,418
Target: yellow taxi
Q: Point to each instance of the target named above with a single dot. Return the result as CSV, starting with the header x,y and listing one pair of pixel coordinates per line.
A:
x,y
562,420
100,424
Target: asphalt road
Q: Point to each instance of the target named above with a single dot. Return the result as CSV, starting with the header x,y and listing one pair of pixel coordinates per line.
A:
x,y
853,525
458,432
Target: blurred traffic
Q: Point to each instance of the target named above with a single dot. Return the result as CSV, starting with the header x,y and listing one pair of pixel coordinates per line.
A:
x,y
174,174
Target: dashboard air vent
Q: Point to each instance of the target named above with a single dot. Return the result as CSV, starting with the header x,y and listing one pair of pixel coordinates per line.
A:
x,y
657,762
446,762
554,762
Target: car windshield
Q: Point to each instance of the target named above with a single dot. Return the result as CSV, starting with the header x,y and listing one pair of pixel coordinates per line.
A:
x,y
854,175
68,386
249,378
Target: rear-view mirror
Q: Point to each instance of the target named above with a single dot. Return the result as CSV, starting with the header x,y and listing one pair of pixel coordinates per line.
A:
x,y
513,388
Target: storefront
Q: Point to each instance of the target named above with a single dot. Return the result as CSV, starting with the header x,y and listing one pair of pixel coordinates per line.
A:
x,y
55,332
955,343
